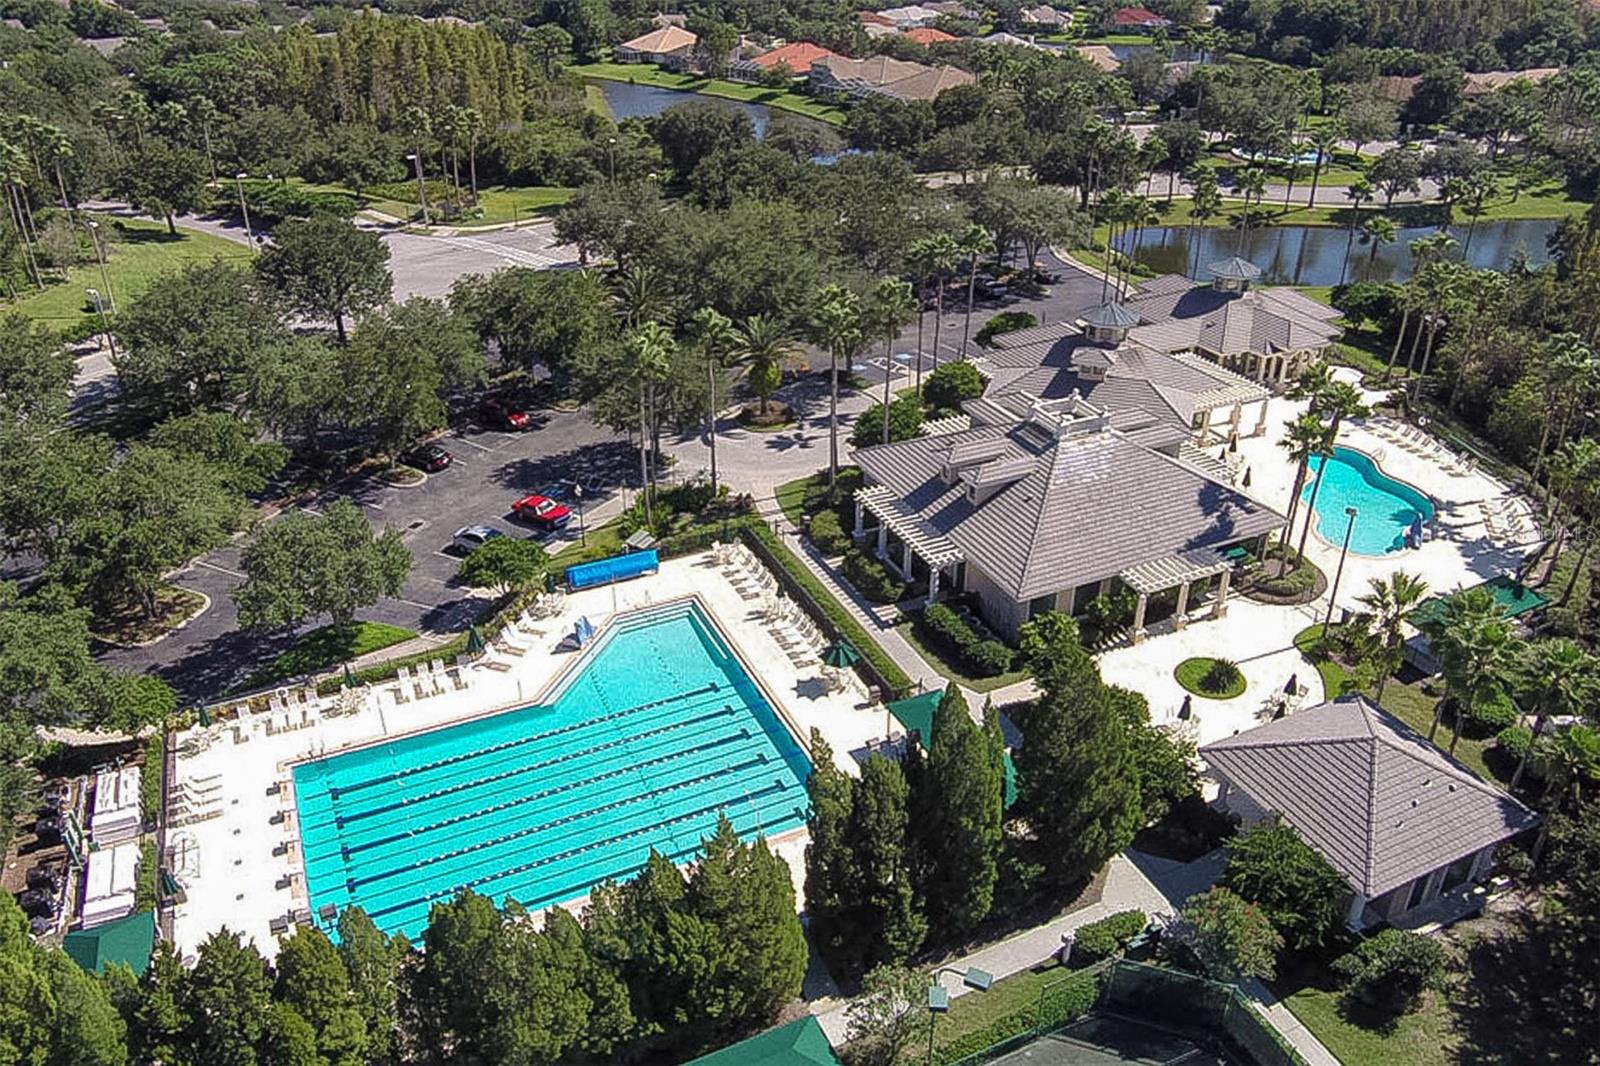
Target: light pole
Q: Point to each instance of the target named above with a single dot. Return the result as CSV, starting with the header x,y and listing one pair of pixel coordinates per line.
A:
x,y
1338,573
611,158
939,995
577,496
110,298
422,187
244,209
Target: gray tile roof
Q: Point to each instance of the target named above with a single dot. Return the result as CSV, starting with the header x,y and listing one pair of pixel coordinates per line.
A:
x,y
1180,315
1377,800
1080,508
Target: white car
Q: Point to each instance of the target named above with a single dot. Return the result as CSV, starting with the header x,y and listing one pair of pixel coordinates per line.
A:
x,y
469,539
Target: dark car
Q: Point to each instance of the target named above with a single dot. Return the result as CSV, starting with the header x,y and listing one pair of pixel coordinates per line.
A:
x,y
429,457
542,511
501,415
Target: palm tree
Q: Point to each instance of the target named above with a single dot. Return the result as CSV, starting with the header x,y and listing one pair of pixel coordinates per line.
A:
x,y
1376,232
1478,651
943,254
1559,679
1572,760
1338,400
1204,203
1390,600
1324,140
1305,436
471,126
13,178
1573,469
639,294
890,307
649,349
971,243
1359,192
1253,183
761,345
1561,362
1478,188
1424,250
1141,213
1442,283
713,331
838,327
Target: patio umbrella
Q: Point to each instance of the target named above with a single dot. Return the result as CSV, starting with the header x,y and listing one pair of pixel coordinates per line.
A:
x,y
349,677
1283,709
205,715
1247,477
1293,686
1187,710
1233,441
474,641
841,655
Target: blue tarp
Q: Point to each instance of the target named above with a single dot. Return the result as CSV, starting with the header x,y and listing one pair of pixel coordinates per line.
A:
x,y
616,568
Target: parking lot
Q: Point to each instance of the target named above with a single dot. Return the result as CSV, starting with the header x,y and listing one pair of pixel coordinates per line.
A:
x,y
490,471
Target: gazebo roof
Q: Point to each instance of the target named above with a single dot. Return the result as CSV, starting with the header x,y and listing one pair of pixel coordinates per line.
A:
x,y
1111,315
1234,268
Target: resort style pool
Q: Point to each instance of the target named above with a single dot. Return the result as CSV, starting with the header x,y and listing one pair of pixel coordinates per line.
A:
x,y
1386,508
655,730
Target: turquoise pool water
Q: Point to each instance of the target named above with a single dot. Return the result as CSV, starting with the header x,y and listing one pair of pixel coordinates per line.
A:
x,y
1385,508
657,729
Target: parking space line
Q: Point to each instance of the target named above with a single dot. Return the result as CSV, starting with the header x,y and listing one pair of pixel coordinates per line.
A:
x,y
218,569
474,444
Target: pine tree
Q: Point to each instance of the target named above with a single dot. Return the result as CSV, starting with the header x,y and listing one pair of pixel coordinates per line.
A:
x,y
536,984
891,924
961,835
372,962
312,980
227,999
832,881
1077,788
444,996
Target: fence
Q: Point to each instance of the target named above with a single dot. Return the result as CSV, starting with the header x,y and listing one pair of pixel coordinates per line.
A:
x,y
1061,1003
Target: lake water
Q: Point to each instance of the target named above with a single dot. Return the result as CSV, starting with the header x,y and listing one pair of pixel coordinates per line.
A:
x,y
1314,255
627,100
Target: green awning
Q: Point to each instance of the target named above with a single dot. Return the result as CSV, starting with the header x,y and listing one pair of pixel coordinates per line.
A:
x,y
474,640
915,714
800,1043
127,940
1515,599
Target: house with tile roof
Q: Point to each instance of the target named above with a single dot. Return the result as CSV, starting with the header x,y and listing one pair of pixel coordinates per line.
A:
x,y
927,36
797,56
1033,505
1100,56
884,76
1401,821
1138,18
670,46
1046,17
1267,334
909,16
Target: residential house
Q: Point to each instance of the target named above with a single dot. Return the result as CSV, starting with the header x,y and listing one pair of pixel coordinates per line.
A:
x,y
883,76
909,17
1487,81
662,19
797,56
1101,56
954,9
927,36
1046,18
875,25
1401,821
1031,505
670,46
1138,20
1011,39
1267,334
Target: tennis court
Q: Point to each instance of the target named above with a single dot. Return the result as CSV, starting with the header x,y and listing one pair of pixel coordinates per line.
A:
x,y
1107,1041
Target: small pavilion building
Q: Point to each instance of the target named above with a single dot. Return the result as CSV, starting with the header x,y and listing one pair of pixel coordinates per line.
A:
x,y
1401,821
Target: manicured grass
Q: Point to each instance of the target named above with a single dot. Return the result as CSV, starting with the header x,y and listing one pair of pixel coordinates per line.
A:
x,y
1116,38
595,99
1009,995
1426,1038
329,646
803,497
932,651
499,203
1191,674
779,99
139,252
175,605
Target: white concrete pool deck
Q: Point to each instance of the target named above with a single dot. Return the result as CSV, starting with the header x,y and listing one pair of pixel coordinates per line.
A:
x,y
239,863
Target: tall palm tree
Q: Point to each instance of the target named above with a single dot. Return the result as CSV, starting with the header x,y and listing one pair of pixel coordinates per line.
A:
x,y
944,252
1444,283
1205,202
1559,678
1376,232
471,126
1253,183
890,307
1560,363
640,294
971,243
1570,760
1358,193
761,345
1141,213
1573,470
1338,400
1424,251
649,349
1305,435
1324,140
1478,652
713,332
838,327
1391,599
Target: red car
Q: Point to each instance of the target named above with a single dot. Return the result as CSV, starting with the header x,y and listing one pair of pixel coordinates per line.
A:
x,y
542,511
503,416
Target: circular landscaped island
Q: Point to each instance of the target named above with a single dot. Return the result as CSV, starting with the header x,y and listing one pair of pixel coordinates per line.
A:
x,y
1213,679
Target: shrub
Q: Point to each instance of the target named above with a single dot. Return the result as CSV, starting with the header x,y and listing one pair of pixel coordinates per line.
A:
x,y
828,534
950,627
1005,322
1391,971
151,776
144,877
905,422
1493,714
1230,936
987,658
871,578
1223,675
1271,865
952,383
1102,939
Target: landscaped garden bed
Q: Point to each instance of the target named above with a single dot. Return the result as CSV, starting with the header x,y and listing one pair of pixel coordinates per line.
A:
x,y
1213,679
1281,583
128,626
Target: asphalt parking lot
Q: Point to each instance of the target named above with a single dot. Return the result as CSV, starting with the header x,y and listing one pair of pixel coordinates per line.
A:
x,y
491,470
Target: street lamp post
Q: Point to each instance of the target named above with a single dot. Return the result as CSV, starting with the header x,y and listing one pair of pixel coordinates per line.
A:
x,y
611,157
1339,572
422,187
939,995
244,209
105,280
577,496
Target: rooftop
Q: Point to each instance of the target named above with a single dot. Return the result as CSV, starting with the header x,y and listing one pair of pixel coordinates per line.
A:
x,y
1376,799
896,77
1181,315
928,36
800,1043
666,39
797,56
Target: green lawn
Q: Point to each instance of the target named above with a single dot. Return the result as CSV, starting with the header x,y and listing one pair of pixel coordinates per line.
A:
x,y
782,100
138,253
1426,1038
1191,674
500,204
595,99
803,497
328,646
1018,994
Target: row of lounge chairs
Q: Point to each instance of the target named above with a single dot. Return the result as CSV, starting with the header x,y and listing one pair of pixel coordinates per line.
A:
x,y
790,627
424,680
1420,442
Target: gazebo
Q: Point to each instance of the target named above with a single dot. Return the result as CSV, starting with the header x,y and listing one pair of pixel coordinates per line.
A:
x,y
1109,323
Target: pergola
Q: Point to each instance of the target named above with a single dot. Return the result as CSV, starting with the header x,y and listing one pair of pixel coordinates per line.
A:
x,y
917,538
1179,570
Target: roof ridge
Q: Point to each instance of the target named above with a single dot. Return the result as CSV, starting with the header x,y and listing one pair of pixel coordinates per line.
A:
x,y
1369,861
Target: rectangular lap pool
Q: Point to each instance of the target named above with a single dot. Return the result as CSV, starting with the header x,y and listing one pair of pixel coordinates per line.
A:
x,y
656,730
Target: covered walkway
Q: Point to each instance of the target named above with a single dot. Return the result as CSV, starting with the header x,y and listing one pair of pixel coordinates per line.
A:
x,y
918,540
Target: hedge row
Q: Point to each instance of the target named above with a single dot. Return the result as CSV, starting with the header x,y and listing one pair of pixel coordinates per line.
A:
x,y
1059,1004
144,878
980,656
150,778
1102,939
871,578
828,534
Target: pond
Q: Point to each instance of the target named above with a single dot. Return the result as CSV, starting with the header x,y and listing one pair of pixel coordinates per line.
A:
x,y
628,100
1315,255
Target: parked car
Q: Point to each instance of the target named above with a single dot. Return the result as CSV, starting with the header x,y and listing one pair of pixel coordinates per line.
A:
x,y
542,511
429,457
469,539
501,415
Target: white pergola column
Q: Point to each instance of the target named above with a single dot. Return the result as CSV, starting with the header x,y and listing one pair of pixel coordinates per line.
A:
x,y
933,584
1205,424
1233,418
861,525
905,558
1138,618
883,540
1179,615
1219,609
1261,423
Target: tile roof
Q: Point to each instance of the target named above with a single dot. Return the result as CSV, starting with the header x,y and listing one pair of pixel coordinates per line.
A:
x,y
1180,315
1137,16
1079,506
797,56
1100,56
661,41
1376,799
928,36
895,77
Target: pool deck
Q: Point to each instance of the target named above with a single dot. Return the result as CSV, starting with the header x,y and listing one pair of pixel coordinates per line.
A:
x,y
239,860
